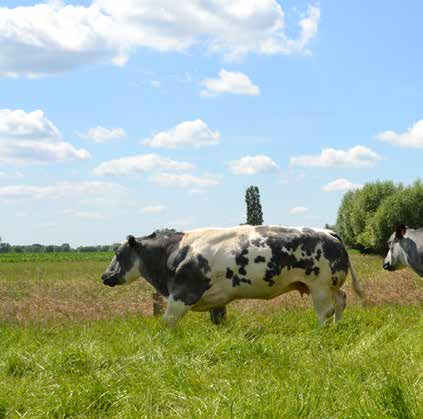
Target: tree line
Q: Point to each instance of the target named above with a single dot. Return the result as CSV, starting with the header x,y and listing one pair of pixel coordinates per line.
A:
x,y
368,216
64,248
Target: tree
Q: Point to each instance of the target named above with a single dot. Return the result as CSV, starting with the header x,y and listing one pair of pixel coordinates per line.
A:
x,y
368,216
254,210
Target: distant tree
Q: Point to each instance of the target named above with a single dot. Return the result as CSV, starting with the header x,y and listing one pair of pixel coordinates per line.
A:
x,y
330,227
254,210
65,247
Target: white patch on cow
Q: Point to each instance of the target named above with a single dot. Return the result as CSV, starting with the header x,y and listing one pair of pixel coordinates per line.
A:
x,y
133,274
175,310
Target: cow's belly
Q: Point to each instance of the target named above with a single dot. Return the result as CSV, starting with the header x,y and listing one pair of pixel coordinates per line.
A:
x,y
223,292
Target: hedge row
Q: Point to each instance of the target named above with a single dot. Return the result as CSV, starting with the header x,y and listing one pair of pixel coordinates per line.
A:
x,y
368,216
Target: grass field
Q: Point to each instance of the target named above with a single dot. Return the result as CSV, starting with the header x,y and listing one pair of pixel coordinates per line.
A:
x,y
71,347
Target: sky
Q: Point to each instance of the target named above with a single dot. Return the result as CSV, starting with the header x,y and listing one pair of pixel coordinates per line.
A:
x,y
120,118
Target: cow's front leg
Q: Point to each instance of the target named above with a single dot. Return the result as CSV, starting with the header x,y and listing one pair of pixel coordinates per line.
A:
x,y
175,310
323,304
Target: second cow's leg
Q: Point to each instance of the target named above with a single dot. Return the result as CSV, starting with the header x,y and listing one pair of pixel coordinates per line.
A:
x,y
218,315
175,310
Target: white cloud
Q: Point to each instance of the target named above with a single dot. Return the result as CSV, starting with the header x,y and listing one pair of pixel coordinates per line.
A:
x,y
11,175
86,215
59,190
103,135
153,209
252,165
412,138
341,185
186,134
356,157
29,137
52,37
155,83
230,82
140,163
185,180
298,210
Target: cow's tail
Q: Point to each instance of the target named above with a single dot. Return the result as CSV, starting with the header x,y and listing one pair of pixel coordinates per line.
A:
x,y
355,283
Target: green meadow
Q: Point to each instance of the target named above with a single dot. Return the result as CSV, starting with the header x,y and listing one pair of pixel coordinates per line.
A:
x,y
70,347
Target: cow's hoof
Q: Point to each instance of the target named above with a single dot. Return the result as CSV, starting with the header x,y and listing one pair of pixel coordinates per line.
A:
x,y
218,315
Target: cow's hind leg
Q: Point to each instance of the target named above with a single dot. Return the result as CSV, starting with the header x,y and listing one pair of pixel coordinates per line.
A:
x,y
218,315
323,304
340,303
175,310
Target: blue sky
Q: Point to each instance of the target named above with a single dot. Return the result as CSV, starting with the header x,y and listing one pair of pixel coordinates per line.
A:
x,y
205,99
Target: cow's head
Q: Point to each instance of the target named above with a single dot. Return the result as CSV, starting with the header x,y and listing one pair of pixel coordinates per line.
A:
x,y
396,257
125,265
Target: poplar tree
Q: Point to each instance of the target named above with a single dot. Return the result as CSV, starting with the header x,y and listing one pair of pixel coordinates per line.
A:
x,y
254,210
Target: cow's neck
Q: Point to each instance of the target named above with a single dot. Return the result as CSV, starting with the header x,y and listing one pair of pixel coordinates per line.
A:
x,y
414,250
154,268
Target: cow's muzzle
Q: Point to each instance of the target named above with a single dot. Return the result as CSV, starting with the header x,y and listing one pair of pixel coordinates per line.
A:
x,y
388,267
110,280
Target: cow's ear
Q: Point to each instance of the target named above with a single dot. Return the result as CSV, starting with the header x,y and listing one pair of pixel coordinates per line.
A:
x,y
132,241
401,230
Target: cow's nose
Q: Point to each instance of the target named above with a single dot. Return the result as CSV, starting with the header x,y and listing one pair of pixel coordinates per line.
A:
x,y
104,277
386,266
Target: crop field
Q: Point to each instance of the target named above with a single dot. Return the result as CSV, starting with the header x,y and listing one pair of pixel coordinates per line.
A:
x,y
71,347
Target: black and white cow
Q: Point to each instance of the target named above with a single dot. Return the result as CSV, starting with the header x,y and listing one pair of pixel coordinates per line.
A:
x,y
207,268
405,249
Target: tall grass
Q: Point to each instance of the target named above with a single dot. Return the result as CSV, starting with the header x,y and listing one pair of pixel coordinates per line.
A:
x,y
84,350
275,365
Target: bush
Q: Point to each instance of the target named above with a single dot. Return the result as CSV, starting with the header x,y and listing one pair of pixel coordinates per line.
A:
x,y
368,216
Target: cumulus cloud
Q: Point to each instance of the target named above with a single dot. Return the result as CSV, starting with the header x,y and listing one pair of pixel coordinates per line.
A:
x,y
341,185
298,210
412,138
252,165
140,163
103,135
59,190
29,137
186,134
153,209
48,38
185,180
356,157
230,82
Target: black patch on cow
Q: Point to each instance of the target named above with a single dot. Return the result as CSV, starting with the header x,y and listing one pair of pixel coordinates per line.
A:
x,y
241,254
318,254
203,264
229,273
189,283
237,281
334,251
177,257
260,259
258,242
160,256
334,281
283,249
242,271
